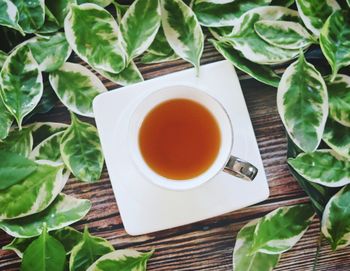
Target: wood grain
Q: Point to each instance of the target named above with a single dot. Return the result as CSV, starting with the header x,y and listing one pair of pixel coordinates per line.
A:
x,y
206,245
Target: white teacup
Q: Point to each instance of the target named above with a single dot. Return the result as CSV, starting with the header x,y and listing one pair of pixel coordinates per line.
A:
x,y
224,160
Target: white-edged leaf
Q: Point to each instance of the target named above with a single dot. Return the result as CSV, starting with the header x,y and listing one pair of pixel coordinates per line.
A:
x,y
139,26
35,192
102,3
120,10
51,25
43,130
18,245
302,103
262,73
122,259
18,141
21,83
49,149
88,251
6,120
50,52
3,57
242,260
283,34
244,38
314,13
60,9
9,15
76,87
281,229
335,40
183,31
323,167
31,14
336,219
337,137
213,13
339,99
81,150
63,211
93,34
151,58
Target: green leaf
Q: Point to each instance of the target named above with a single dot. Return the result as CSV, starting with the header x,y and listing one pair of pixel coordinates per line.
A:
x,y
120,10
281,229
19,245
21,83
69,238
213,13
44,254
339,99
102,3
49,149
93,33
335,40
59,9
314,13
122,259
337,137
282,34
19,142
139,26
14,168
302,104
31,14
182,30
76,87
323,167
51,52
282,3
51,25
43,130
336,219
244,38
242,261
88,251
81,150
6,120
160,45
151,58
63,211
3,57
261,73
34,193
9,15
130,75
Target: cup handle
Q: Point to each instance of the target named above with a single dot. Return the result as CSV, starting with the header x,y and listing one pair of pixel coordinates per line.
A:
x,y
240,168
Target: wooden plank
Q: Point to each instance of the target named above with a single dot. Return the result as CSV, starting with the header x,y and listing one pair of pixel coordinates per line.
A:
x,y
206,245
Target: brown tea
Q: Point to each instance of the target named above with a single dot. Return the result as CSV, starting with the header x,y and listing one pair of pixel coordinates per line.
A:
x,y
179,139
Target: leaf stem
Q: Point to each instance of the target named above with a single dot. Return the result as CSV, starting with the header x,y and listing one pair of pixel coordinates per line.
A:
x,y
319,245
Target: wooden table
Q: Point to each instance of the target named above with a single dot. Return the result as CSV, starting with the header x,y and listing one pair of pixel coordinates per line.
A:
x,y
206,245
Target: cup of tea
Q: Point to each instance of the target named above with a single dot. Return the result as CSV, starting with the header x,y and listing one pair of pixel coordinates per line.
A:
x,y
181,137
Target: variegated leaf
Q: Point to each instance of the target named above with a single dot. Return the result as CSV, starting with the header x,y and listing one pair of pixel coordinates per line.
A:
x,y
81,150
220,32
242,260
6,120
139,26
21,83
76,87
262,73
150,58
182,30
34,193
122,259
88,251
43,130
102,3
51,25
302,103
336,219
314,13
63,211
93,34
281,229
337,137
9,15
244,38
213,13
339,99
130,75
335,40
31,14
120,10
50,52
49,149
59,9
282,34
3,57
18,245
160,45
18,141
323,167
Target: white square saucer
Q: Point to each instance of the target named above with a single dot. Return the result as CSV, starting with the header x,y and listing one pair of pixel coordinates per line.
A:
x,y
144,207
